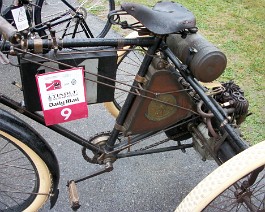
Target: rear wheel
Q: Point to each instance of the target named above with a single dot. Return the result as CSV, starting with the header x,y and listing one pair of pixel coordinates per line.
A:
x,y
25,179
237,185
128,66
129,61
92,21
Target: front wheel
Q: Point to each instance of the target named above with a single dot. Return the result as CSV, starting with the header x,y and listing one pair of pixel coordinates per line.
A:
x,y
25,178
237,185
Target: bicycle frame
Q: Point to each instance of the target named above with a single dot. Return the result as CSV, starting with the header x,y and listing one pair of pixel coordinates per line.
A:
x,y
153,44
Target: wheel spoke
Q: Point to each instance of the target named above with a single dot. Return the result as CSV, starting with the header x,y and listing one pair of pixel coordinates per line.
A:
x,y
17,167
85,12
233,176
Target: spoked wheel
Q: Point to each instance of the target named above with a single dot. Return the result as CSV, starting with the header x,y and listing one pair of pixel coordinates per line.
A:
x,y
237,185
72,18
23,175
129,61
128,66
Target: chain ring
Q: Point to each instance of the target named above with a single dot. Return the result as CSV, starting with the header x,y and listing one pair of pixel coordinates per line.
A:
x,y
99,140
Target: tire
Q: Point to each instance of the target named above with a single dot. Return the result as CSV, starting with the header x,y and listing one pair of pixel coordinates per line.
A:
x,y
23,172
215,188
94,11
128,65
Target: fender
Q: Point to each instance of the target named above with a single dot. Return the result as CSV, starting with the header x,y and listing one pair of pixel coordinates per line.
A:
x,y
20,129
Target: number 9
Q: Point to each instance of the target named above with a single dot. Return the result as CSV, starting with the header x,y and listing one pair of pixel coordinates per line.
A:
x,y
66,113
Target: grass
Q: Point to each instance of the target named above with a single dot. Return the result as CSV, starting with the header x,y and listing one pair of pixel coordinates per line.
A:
x,y
237,27
97,7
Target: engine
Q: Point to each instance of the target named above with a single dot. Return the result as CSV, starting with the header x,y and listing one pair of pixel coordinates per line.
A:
x,y
233,97
206,132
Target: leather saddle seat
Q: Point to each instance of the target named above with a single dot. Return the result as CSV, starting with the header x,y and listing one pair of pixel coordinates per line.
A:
x,y
164,18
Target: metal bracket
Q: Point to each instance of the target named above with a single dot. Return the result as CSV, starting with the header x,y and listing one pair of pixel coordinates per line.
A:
x,y
119,127
140,79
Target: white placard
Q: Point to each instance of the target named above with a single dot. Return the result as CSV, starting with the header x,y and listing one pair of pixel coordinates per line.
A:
x,y
62,95
20,18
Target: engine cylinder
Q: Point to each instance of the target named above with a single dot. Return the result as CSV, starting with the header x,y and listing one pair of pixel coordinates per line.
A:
x,y
205,61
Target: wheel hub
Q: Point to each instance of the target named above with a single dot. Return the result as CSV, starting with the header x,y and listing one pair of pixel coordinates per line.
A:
x,y
81,12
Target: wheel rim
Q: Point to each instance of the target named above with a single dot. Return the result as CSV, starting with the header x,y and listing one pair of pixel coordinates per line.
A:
x,y
17,175
31,177
241,196
232,172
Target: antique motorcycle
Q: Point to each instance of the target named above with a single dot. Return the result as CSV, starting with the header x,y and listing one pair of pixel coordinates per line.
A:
x,y
171,91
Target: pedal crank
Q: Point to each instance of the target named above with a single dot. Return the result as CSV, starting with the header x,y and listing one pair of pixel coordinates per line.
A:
x,y
72,189
108,167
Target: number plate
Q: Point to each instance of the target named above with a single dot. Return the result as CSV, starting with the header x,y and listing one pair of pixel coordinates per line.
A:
x,y
62,95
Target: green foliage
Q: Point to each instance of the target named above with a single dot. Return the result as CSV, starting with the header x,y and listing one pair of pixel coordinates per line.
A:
x,y
237,27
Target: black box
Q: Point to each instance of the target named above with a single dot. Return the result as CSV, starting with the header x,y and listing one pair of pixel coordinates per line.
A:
x,y
102,63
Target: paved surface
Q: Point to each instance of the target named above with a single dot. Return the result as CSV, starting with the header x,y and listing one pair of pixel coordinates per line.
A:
x,y
155,182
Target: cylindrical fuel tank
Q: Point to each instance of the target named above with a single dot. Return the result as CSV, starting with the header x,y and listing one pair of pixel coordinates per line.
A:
x,y
205,61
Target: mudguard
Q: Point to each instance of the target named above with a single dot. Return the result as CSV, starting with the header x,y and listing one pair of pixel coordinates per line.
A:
x,y
19,129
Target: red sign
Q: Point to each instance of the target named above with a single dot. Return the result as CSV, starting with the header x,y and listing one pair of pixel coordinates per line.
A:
x,y
55,84
62,95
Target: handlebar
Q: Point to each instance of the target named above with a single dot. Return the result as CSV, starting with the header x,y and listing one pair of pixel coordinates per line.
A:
x,y
8,31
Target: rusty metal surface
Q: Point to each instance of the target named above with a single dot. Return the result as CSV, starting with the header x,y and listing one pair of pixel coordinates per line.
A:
x,y
152,114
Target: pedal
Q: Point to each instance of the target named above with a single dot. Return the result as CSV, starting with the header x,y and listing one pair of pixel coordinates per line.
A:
x,y
73,195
